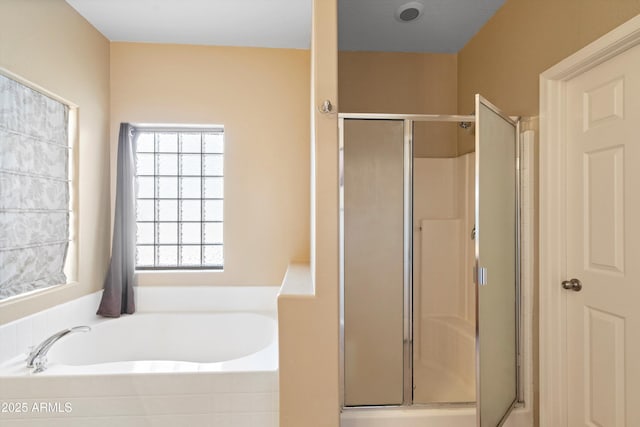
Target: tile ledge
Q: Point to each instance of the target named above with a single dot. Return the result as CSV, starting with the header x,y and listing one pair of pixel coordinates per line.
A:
x,y
297,281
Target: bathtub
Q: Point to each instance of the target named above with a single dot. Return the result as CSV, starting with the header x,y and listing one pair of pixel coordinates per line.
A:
x,y
196,356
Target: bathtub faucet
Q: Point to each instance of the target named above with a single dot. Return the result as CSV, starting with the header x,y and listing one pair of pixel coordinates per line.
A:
x,y
38,357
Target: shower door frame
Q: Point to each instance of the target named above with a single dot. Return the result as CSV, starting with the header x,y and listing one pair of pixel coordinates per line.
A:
x,y
408,120
516,123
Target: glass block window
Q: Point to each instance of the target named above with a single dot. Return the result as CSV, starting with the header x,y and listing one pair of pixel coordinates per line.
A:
x,y
179,206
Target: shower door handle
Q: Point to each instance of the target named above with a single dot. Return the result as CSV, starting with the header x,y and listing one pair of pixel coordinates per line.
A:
x,y
481,276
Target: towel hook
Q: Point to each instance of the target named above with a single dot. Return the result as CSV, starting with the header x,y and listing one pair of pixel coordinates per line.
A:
x,y
326,107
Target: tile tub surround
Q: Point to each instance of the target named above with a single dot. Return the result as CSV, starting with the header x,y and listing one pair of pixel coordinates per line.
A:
x,y
245,399
176,395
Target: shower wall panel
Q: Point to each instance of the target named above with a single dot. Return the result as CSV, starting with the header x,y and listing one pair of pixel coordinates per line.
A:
x,y
444,339
467,205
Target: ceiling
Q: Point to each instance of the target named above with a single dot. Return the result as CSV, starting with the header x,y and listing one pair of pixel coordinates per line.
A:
x,y
444,26
259,23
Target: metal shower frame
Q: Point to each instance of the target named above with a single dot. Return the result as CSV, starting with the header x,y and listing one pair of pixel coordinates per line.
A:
x,y
408,121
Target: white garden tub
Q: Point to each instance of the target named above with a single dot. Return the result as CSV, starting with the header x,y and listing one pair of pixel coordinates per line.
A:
x,y
188,356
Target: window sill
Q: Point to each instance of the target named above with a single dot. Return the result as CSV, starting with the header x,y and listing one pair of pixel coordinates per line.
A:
x,y
181,277
37,293
179,271
22,305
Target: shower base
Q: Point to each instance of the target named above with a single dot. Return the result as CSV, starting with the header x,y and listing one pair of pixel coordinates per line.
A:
x,y
424,417
440,386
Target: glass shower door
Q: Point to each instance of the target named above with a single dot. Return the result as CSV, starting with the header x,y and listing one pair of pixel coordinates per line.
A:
x,y
376,228
496,263
373,203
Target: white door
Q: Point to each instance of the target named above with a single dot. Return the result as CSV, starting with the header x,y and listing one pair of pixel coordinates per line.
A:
x,y
603,244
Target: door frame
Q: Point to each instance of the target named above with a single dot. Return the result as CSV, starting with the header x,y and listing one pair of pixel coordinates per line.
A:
x,y
552,210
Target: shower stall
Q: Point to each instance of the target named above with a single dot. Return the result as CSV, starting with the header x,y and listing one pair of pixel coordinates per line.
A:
x,y
429,262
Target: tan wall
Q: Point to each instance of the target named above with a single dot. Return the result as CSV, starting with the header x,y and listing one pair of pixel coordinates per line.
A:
x,y
47,43
409,83
261,96
394,82
308,326
524,38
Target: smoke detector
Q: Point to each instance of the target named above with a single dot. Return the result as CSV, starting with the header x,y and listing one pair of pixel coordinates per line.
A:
x,y
409,12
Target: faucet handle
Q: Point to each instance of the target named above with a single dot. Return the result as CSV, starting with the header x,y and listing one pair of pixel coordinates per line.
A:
x,y
40,364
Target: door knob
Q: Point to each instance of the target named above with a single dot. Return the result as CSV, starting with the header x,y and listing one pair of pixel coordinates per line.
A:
x,y
572,285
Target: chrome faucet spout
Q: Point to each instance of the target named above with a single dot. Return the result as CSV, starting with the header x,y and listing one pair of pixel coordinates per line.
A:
x,y
37,357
